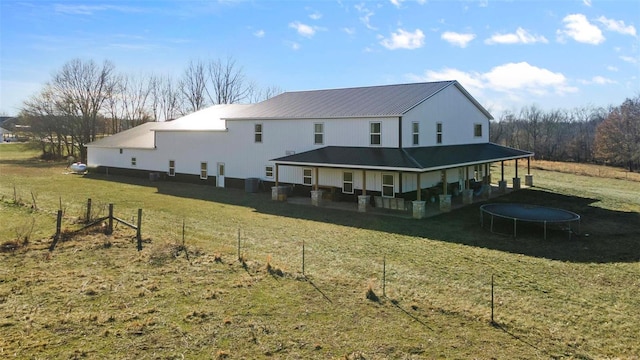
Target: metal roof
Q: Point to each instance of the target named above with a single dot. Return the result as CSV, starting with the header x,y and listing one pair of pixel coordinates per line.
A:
x,y
372,101
419,159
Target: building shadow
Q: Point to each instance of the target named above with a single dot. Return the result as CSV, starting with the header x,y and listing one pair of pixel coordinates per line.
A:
x,y
605,236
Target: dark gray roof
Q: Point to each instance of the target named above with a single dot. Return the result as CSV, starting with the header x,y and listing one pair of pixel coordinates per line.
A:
x,y
419,159
372,101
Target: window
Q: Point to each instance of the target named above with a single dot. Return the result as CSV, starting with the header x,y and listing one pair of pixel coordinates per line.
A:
x,y
134,161
439,133
306,177
268,171
120,151
172,168
477,130
387,185
318,134
415,132
347,182
375,132
257,128
203,170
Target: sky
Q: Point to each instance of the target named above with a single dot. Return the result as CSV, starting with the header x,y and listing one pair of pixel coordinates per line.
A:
x,y
556,54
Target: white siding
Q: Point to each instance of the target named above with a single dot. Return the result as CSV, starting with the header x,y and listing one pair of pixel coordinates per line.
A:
x,y
457,115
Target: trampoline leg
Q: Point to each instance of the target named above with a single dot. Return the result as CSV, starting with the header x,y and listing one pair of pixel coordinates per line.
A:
x,y
491,223
545,230
514,228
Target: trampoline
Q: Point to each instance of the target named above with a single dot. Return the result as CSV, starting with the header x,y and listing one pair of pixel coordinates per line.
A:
x,y
530,214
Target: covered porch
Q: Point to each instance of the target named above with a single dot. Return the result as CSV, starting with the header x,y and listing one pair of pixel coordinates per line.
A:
x,y
403,179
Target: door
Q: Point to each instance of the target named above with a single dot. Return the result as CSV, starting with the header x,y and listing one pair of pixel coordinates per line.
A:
x,y
220,177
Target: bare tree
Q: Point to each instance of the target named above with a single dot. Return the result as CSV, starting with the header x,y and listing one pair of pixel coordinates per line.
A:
x,y
228,84
81,88
193,86
165,98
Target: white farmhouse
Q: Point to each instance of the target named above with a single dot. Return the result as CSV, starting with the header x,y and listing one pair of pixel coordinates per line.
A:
x,y
403,141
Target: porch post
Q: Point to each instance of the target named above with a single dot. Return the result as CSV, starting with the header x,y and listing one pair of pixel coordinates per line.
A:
x,y
364,182
277,167
445,199
363,200
419,209
502,185
316,195
528,179
516,180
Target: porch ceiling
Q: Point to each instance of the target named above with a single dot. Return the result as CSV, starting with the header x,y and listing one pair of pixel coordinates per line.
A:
x,y
415,159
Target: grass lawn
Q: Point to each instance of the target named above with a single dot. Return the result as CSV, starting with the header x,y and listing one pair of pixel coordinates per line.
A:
x,y
95,296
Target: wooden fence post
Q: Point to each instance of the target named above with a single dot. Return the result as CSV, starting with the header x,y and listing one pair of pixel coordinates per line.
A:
x,y
239,256
88,218
58,230
384,276
492,322
303,258
139,230
110,227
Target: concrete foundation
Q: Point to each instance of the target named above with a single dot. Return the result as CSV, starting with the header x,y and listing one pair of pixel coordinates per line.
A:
x,y
516,183
486,191
467,196
445,203
528,180
279,193
363,203
502,186
316,197
419,209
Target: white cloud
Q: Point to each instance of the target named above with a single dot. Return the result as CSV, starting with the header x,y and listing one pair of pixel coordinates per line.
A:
x,y
577,27
303,29
629,59
92,9
315,16
457,39
521,36
365,15
587,3
293,45
516,80
612,68
260,33
403,39
617,26
397,3
349,31
601,80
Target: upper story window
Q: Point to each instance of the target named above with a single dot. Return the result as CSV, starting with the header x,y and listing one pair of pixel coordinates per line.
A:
x,y
318,133
257,133
415,133
172,168
439,133
375,132
477,130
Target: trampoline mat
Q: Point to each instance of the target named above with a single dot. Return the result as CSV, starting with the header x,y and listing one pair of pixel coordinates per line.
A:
x,y
533,213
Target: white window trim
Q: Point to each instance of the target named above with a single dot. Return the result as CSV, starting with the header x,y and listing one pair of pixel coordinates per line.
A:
x,y
315,133
439,136
415,133
267,171
347,182
310,177
474,130
134,161
172,169
256,132
393,186
371,133
206,169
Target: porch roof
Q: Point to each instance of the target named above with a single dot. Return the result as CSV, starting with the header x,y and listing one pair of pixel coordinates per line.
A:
x,y
415,159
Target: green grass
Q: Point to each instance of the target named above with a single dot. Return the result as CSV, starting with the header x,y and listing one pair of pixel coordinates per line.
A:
x,y
95,296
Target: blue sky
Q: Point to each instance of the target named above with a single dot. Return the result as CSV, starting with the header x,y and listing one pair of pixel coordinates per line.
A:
x,y
507,54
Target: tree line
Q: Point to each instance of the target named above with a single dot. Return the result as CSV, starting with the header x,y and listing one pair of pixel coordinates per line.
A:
x,y
589,134
85,100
